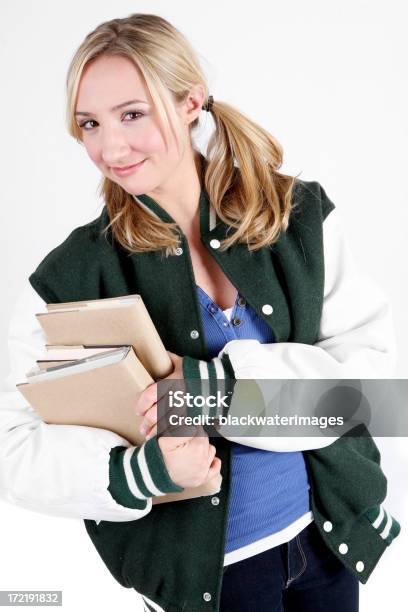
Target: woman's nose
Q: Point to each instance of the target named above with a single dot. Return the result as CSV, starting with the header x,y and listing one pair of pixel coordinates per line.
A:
x,y
114,149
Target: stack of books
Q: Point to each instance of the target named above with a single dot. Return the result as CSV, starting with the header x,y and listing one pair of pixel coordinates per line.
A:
x,y
101,354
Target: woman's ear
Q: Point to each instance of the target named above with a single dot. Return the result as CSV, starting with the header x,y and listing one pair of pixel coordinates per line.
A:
x,y
193,103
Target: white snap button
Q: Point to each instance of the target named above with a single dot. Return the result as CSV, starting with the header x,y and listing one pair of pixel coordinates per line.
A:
x,y
215,244
327,526
359,566
215,500
194,334
343,548
207,596
179,251
267,309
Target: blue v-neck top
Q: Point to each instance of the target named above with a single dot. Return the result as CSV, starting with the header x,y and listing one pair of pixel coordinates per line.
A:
x,y
269,501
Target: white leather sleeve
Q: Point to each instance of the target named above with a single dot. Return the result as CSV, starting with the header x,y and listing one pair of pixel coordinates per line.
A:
x,y
356,336
61,470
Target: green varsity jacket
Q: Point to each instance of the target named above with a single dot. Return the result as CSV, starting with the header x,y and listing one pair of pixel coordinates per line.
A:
x,y
173,553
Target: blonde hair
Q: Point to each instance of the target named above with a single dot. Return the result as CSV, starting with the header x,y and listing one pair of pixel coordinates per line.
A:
x,y
252,197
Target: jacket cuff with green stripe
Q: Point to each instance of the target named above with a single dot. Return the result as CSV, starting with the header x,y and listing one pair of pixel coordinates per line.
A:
x,y
209,377
137,473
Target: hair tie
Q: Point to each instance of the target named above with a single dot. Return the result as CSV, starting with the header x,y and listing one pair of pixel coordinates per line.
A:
x,y
207,107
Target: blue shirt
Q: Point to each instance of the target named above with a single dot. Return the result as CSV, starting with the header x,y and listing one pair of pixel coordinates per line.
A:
x,y
269,490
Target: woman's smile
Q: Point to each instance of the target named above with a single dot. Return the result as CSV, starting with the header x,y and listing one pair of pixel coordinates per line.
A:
x,y
125,170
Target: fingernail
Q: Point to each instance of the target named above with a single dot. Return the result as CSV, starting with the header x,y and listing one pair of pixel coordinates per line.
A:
x,y
142,430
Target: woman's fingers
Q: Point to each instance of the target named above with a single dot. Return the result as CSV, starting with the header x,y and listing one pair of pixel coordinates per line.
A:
x,y
152,422
149,420
162,423
147,407
150,396
146,399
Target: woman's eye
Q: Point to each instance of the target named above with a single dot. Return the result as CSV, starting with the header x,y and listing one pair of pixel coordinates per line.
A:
x,y
134,113
83,125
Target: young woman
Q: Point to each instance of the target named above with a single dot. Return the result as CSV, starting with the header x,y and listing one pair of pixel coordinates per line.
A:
x,y
246,273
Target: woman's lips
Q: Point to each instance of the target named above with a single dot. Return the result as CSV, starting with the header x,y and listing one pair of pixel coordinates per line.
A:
x,y
127,169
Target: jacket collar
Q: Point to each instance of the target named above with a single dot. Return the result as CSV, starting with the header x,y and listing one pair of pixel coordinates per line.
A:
x,y
252,272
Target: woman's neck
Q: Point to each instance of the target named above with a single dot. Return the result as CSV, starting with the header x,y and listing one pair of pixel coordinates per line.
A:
x,y
180,198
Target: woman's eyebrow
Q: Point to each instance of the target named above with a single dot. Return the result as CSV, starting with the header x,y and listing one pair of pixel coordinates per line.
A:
x,y
117,107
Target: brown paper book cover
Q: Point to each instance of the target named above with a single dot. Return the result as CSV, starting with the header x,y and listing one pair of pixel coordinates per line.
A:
x,y
116,321
99,391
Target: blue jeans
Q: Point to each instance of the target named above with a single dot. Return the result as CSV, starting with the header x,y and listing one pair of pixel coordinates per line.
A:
x,y
301,575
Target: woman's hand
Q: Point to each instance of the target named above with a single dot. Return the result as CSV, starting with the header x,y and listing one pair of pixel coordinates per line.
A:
x,y
147,402
190,459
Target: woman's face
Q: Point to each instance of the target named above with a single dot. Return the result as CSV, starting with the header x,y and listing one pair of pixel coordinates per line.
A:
x,y
119,129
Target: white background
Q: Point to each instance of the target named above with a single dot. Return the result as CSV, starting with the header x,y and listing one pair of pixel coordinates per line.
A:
x,y
327,79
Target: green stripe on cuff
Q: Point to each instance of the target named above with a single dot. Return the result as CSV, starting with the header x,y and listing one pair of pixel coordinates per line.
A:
x,y
229,383
394,531
153,469
373,513
192,378
157,468
191,374
191,367
228,369
213,387
118,486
